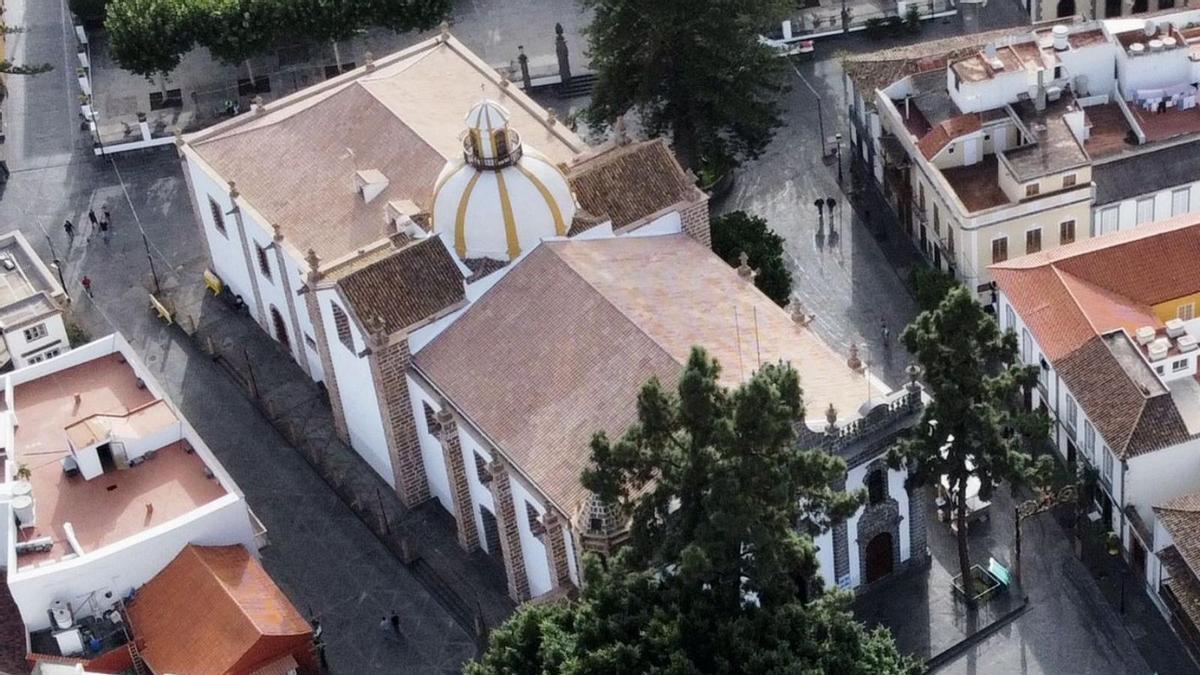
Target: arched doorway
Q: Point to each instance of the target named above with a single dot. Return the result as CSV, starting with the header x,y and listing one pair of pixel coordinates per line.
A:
x,y
1066,8
280,325
879,557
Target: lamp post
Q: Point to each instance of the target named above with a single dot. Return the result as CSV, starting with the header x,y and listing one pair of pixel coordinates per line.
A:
x,y
1040,504
57,265
837,138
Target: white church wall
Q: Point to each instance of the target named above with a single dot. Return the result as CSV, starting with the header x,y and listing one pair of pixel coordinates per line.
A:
x,y
668,223
537,567
432,458
572,555
306,344
225,254
359,402
856,478
270,283
825,567
896,491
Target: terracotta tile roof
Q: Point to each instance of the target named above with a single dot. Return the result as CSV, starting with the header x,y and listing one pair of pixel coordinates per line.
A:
x,y
628,183
1132,421
295,163
941,134
1083,301
1181,518
875,70
215,610
1183,583
561,346
407,287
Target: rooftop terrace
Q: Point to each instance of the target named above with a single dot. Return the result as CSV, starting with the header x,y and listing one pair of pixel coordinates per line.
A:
x,y
119,503
976,185
27,288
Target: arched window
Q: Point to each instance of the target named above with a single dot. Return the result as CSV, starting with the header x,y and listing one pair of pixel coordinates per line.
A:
x,y
500,142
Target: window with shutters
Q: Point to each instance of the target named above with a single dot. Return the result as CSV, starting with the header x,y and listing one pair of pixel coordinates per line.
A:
x,y
1071,415
1069,180
1186,311
1032,190
999,249
1010,318
937,220
1033,240
1181,201
1108,465
1145,210
1066,232
1089,441
341,323
218,216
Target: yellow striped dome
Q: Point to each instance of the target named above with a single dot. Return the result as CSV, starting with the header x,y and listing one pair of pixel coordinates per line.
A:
x,y
500,199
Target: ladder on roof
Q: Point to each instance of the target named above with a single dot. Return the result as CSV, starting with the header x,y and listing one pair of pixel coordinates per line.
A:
x,y
135,655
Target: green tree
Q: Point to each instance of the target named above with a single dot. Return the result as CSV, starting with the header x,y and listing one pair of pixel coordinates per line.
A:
x,y
930,285
695,70
720,564
735,232
149,37
975,427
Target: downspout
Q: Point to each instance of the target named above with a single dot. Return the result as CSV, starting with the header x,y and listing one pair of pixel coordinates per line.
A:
x,y
1124,470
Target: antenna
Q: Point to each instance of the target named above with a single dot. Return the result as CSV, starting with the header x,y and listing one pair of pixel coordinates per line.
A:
x,y
738,331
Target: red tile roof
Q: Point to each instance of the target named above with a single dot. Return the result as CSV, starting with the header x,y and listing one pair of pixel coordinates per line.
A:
x,y
214,609
941,134
1071,296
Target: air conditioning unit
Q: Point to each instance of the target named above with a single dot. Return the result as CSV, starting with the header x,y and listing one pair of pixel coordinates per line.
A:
x,y
1186,343
1158,349
1145,334
1174,328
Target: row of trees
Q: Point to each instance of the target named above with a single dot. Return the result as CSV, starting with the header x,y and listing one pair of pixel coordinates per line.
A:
x,y
149,37
720,570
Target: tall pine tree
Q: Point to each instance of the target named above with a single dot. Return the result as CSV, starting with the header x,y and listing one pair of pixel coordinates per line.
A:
x,y
694,70
976,427
716,576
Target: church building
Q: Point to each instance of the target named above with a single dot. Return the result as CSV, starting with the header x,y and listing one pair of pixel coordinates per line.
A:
x,y
479,291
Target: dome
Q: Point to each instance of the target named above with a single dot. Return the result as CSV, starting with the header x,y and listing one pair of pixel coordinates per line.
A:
x,y
501,198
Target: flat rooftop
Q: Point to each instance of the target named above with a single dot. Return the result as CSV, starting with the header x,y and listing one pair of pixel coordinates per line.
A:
x,y
1172,122
119,503
1109,132
977,185
1056,149
27,288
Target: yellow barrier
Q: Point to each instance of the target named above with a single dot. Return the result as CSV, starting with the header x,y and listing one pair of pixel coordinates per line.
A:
x,y
213,282
163,313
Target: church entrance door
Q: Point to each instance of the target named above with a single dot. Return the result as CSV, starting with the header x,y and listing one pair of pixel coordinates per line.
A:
x,y
879,557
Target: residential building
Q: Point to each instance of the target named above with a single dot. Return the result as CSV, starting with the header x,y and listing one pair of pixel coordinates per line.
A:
x,y
214,610
1111,324
1000,144
31,302
1175,576
104,482
1068,10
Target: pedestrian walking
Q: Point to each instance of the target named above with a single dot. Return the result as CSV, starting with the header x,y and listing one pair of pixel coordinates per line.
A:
x,y
395,620
70,228
92,216
107,215
384,624
885,332
104,230
87,285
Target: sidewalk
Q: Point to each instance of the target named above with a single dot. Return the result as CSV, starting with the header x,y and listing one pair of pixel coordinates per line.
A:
x,y
469,586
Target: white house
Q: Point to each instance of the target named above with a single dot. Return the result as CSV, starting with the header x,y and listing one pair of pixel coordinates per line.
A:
x,y
102,483
1111,322
31,301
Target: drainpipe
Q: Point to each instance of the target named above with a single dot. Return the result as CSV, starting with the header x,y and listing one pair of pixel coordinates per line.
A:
x,y
1124,470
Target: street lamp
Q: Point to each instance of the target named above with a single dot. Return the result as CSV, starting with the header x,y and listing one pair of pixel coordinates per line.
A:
x,y
837,138
153,273
57,265
1044,502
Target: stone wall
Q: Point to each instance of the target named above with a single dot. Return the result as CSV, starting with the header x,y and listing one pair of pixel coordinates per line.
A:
x,y
510,535
695,222
460,489
390,359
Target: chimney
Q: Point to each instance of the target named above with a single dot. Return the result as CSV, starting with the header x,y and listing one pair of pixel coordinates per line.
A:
x,y
370,182
1060,34
1039,101
401,214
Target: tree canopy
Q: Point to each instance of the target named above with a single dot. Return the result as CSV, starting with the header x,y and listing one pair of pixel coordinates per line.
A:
x,y
720,569
151,36
975,426
737,232
694,70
